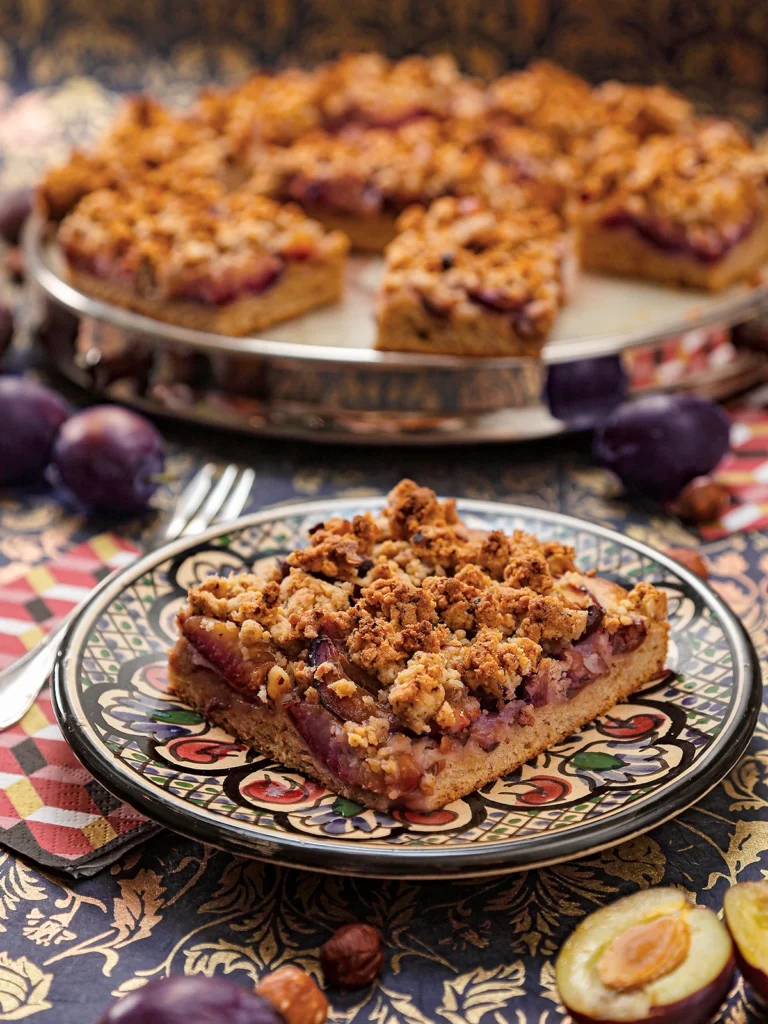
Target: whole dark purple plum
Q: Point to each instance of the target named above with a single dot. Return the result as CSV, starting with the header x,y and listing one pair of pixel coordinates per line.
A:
x,y
31,417
7,327
659,443
194,1000
15,207
110,458
584,392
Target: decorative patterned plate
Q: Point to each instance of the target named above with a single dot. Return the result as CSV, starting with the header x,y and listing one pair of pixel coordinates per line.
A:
x,y
629,771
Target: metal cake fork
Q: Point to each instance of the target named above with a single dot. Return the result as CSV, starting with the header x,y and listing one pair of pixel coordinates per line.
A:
x,y
210,496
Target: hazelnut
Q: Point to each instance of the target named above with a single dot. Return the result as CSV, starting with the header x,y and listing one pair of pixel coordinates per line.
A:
x,y
352,957
691,560
702,500
295,995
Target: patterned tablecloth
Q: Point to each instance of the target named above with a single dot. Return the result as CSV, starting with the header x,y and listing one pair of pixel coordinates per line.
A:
x,y
468,953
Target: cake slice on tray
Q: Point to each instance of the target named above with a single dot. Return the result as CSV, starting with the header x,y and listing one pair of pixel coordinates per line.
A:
x,y
687,209
362,179
406,660
230,263
463,278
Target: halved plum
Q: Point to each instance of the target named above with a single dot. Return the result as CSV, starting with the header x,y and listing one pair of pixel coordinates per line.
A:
x,y
746,914
652,956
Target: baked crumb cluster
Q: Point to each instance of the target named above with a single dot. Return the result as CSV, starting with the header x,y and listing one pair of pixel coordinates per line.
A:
x,y
198,242
462,258
440,625
701,189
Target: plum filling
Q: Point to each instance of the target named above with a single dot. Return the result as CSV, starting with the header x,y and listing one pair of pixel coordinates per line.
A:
x,y
254,279
358,115
494,300
323,734
354,701
218,291
347,694
707,247
345,194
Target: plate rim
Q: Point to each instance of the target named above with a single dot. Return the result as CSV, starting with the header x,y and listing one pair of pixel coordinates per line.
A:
x,y
720,311
311,853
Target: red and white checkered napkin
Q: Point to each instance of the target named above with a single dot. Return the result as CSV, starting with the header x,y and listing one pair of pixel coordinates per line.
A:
x,y
744,471
51,810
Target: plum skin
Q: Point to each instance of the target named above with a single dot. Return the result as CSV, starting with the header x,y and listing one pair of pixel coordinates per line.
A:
x,y
697,1008
690,988
586,391
754,975
658,443
110,458
192,1000
32,416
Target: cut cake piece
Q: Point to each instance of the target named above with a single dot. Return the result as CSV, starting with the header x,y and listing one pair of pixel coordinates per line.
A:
x,y
227,263
361,180
407,660
465,279
687,209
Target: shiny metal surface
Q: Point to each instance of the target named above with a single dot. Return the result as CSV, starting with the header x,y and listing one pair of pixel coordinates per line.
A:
x,y
319,377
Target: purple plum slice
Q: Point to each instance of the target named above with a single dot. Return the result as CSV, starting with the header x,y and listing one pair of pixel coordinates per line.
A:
x,y
649,957
746,914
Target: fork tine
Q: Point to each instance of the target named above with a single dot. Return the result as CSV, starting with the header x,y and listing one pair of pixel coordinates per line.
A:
x,y
235,503
207,512
189,501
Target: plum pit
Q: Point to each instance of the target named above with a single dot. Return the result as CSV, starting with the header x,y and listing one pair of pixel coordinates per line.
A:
x,y
644,953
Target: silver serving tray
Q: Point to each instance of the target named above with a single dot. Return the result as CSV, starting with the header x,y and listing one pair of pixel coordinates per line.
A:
x,y
319,377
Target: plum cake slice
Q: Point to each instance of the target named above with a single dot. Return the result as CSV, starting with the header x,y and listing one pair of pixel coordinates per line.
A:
x,y
232,263
360,180
689,208
465,279
406,660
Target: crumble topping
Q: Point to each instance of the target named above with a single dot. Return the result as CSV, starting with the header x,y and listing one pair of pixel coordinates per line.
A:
x,y
548,98
265,108
497,623
146,137
464,259
566,109
368,89
644,110
701,188
370,171
192,241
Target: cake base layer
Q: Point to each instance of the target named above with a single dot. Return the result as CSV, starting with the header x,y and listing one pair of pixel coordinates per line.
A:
x,y
302,287
368,234
623,251
409,327
268,729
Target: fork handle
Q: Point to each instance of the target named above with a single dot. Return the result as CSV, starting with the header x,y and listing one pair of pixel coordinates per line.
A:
x,y
22,681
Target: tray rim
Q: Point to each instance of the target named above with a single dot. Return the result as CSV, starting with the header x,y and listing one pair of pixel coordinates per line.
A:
x,y
423,864
725,313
